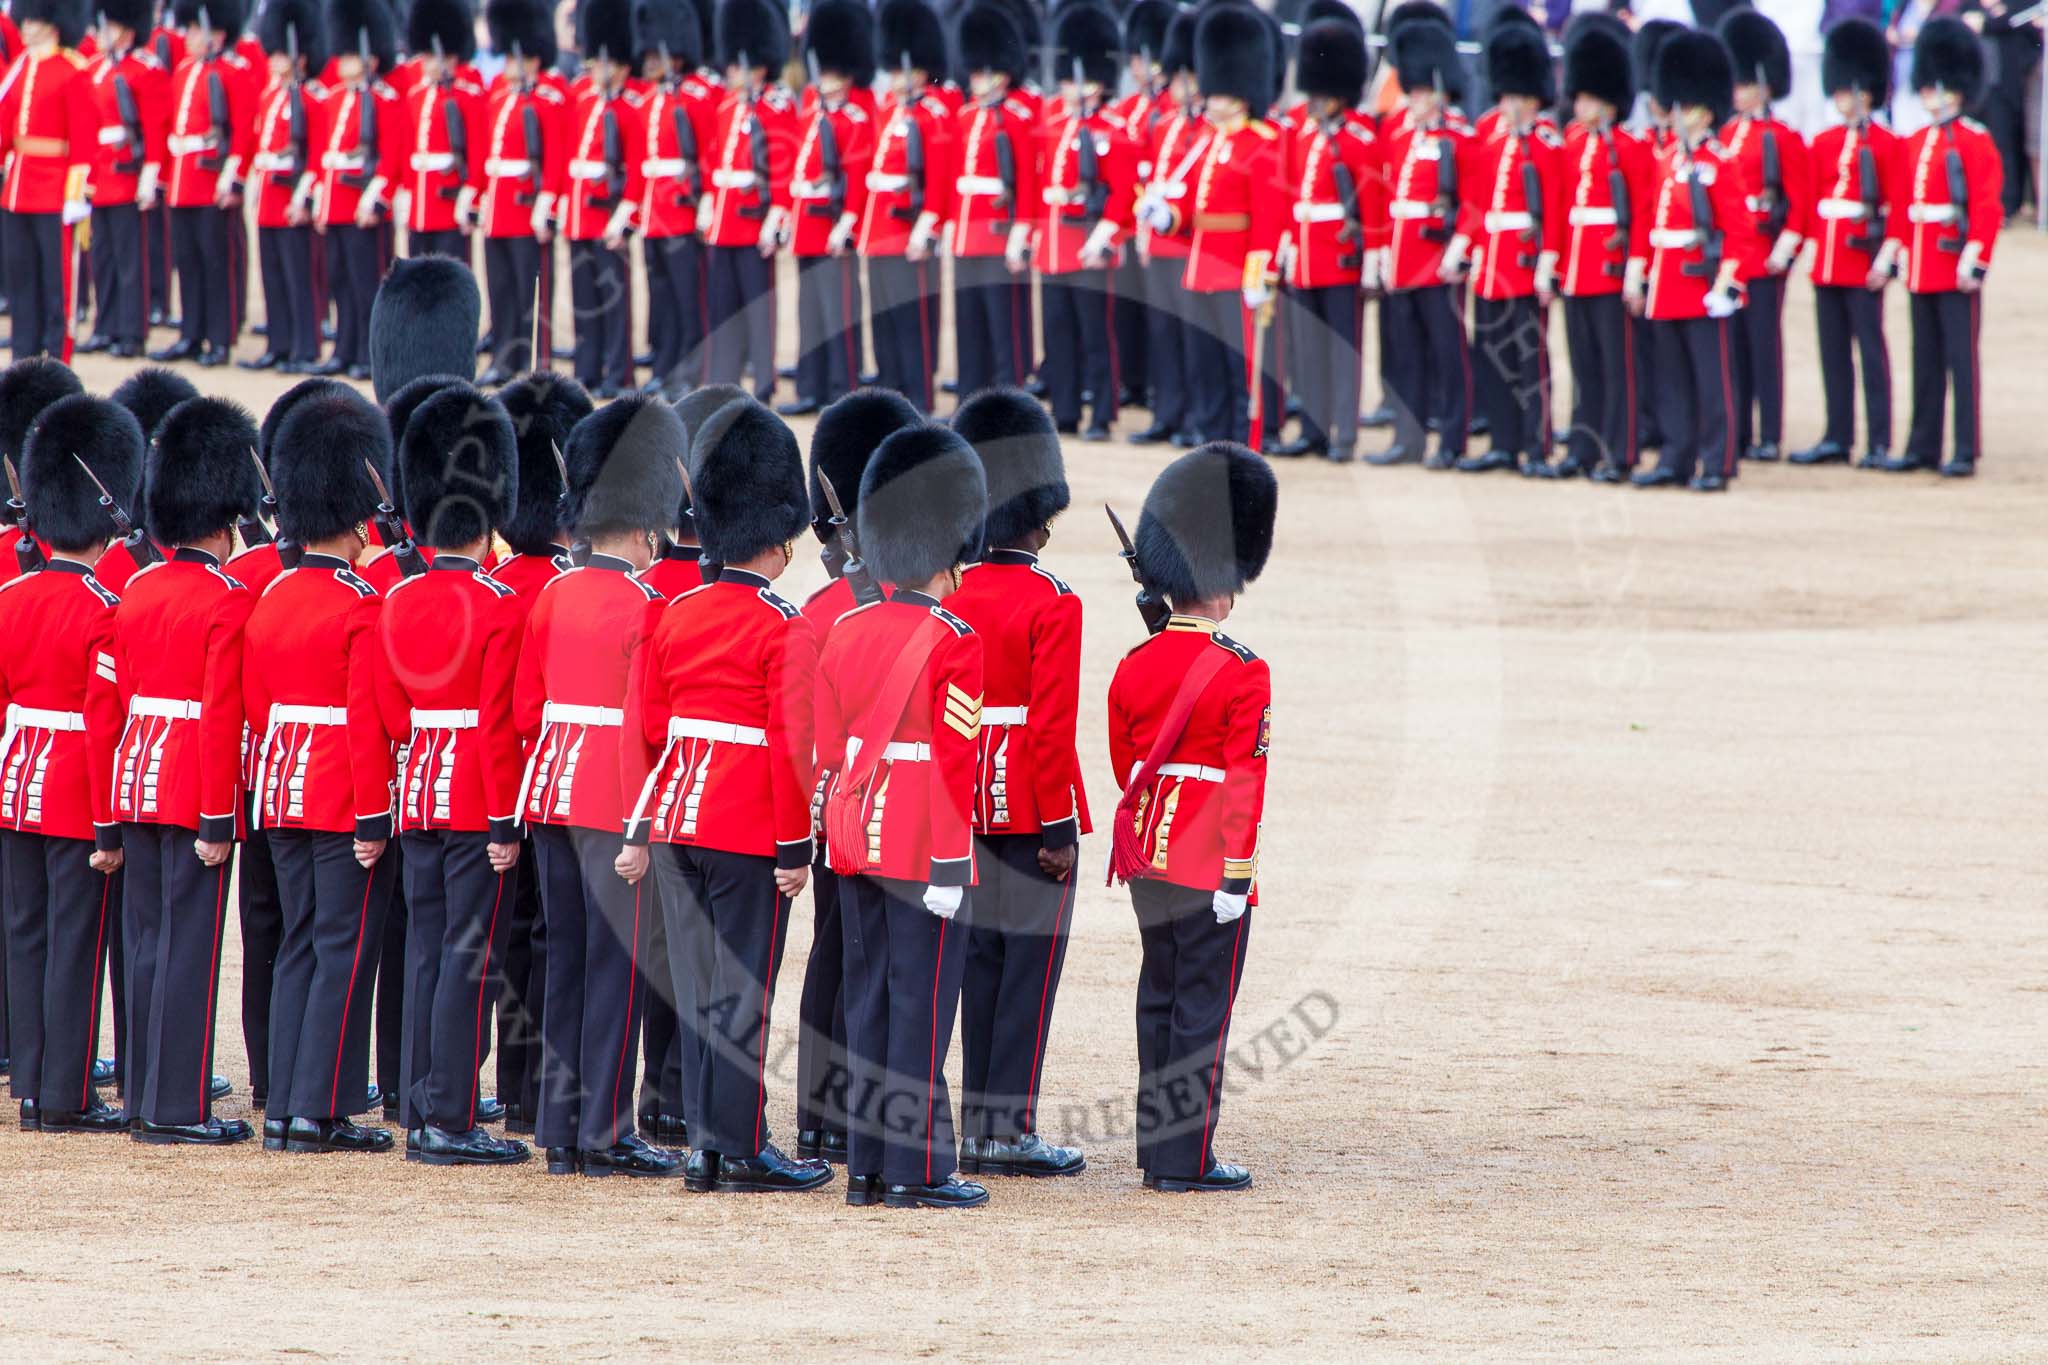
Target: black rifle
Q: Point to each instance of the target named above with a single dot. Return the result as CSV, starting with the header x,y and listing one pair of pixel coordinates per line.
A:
x,y
1088,174
865,589
366,120
252,529
1353,231
1709,266
1959,195
391,529
27,554
686,152
1532,193
1006,171
140,547
1445,204
1152,608
614,159
1617,190
913,154
458,133
215,157
1775,207
130,160
295,109
757,153
529,123
1871,192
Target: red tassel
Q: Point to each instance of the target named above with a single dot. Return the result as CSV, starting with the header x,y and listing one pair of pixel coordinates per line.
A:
x,y
1127,856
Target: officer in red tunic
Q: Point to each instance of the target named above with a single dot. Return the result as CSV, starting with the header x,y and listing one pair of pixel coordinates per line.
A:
x,y
1030,809
1190,721
62,847
1688,260
359,131
284,173
1857,185
177,783
131,94
828,190
907,192
678,117
1178,144
323,775
518,154
448,649
441,116
994,201
52,138
1776,168
1940,240
599,182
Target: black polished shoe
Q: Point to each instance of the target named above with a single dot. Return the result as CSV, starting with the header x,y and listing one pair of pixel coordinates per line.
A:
x,y
392,1104
1570,467
490,1111
1708,483
94,344
439,1147
951,1194
770,1171
1487,463
328,369
1151,436
334,1135
1381,416
970,1155
1535,467
810,1144
1067,428
95,1118
1822,452
213,357
1443,459
800,407
1298,447
1028,1155
267,361
1607,471
1959,469
31,1117
104,1072
373,1100
1656,476
125,350
669,1130
495,376
217,1088
7,1064
863,1191
275,1134
700,1172
563,1161
1874,458
1097,433
1221,1176
212,1133
359,370
1185,440
1392,455
176,351
412,1143
1765,452
1908,463
633,1157
1344,454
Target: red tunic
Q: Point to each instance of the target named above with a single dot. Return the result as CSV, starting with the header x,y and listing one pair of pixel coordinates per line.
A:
x,y
64,709
1421,221
1237,207
1857,181
1180,140
349,170
602,168
212,132
981,205
753,148
1928,224
51,128
125,146
1071,208
676,126
677,571
117,566
1495,210
898,196
440,122
1332,232
1582,224
829,177
1745,137
520,153
1666,236
285,155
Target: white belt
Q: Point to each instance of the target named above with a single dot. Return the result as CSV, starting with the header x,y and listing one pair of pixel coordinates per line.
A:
x,y
1170,189
113,135
810,189
877,181
732,180
183,144
500,167
1062,198
1674,239
1412,208
433,161
1004,715
272,161
39,718
717,731
980,184
581,169
341,161
283,714
1319,213
170,708
1841,208
571,713
1754,203
1200,772
1586,215
663,167
1508,221
1931,213
896,752
443,720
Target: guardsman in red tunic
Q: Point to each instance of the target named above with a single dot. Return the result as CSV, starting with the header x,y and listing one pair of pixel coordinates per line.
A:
x,y
131,93
1501,206
907,194
285,173
677,125
1775,166
725,690
586,763
519,153
828,189
1689,257
1178,144
1235,205
1190,721
1030,809
1857,186
994,201
1940,240
359,131
1089,188
442,115
168,46
51,139
448,650
899,712
322,785
62,845
26,388
1338,222
177,782
594,196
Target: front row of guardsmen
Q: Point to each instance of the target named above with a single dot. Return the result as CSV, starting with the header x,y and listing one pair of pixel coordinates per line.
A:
x,y
412,716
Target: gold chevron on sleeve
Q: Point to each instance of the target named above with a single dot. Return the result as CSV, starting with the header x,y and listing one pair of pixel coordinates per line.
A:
x,y
963,712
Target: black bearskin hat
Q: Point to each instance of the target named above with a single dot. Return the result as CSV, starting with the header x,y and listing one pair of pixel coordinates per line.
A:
x,y
604,28
1510,16
459,463
324,442
1145,25
544,408
670,27
522,24
68,17
1087,34
922,503
424,320
198,478
1331,61
1029,21
348,19
1417,11
136,15
841,33
755,28
1020,460
1518,62
273,421
913,27
990,41
1756,45
1319,11
1708,14
843,442
623,474
151,392
398,412
1207,524
1597,63
695,407
1693,69
1855,56
284,21
749,479
448,20
1949,55
228,16
63,505
26,388
1606,20
1179,53
1234,55
1423,54
1644,49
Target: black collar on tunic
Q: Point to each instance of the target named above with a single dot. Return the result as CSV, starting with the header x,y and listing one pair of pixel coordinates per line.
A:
x,y
613,562
911,597
1009,557
189,554
68,566
456,563
743,577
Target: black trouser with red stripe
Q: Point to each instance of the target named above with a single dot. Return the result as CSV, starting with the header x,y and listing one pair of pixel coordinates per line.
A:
x,y
1846,313
1600,339
522,974
209,275
175,911
156,246
906,345
355,263
1695,395
598,929
599,292
1016,946
903,970
449,242
1512,341
1080,345
1759,345
1326,363
676,318
1945,330
287,259
261,911
326,965
513,266
990,345
1165,344
118,261
391,979
821,1074
828,310
460,915
35,281
1187,983
1218,387
739,284
58,911
661,1044
1428,368
727,922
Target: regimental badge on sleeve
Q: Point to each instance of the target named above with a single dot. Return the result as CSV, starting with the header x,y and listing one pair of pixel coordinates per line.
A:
x,y
1265,734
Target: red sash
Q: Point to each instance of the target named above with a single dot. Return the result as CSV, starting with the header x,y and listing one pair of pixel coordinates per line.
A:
x,y
1127,855
846,839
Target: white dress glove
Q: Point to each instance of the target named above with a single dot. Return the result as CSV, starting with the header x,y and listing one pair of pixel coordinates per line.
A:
x,y
842,234
1098,247
465,207
1017,250
76,211
1154,213
1723,303
1783,252
543,215
1229,906
944,901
